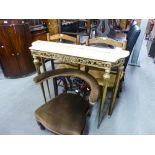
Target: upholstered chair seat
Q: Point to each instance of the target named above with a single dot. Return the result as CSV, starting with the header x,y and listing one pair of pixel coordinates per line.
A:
x,y
65,114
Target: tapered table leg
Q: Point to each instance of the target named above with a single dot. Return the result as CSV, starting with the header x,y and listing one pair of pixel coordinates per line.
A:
x,y
44,69
106,76
115,90
37,66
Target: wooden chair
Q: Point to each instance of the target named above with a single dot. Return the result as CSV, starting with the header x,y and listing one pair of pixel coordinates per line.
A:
x,y
67,113
58,64
98,73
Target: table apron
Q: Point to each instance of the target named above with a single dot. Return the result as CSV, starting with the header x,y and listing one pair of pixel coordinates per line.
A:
x,y
77,60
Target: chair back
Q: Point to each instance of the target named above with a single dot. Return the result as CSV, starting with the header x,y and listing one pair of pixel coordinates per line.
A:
x,y
60,37
106,41
90,80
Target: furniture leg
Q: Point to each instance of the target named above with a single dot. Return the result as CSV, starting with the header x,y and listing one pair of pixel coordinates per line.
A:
x,y
106,76
54,80
65,84
55,86
70,83
44,69
41,126
115,90
36,64
52,64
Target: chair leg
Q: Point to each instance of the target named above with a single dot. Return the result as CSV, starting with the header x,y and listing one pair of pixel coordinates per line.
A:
x,y
120,86
119,89
43,91
70,83
52,64
41,126
65,84
55,86
47,83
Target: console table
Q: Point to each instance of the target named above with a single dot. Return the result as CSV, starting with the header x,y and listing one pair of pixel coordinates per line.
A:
x,y
104,58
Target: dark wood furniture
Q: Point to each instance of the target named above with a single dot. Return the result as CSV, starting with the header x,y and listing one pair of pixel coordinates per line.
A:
x,y
16,36
15,57
67,113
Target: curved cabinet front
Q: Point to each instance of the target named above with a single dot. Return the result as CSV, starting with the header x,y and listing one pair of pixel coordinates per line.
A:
x,y
15,56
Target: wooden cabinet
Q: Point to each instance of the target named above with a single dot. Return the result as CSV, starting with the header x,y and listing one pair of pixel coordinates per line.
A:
x,y
15,56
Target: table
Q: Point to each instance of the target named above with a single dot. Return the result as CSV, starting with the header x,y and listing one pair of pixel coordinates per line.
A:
x,y
104,58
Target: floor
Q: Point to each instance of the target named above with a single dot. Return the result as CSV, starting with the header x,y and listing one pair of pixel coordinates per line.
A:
x,y
134,112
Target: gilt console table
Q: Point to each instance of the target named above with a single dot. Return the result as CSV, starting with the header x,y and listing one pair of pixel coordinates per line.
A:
x,y
103,58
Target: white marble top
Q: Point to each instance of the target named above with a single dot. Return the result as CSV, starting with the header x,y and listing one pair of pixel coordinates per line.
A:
x,y
96,53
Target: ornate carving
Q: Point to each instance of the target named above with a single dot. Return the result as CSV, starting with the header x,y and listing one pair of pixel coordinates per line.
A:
x,y
107,73
120,62
73,59
35,60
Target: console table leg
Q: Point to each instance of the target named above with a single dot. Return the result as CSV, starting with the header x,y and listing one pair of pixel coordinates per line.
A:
x,y
115,90
106,76
47,83
37,66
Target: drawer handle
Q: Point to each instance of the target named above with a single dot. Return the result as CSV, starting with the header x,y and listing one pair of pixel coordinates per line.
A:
x,y
13,54
17,54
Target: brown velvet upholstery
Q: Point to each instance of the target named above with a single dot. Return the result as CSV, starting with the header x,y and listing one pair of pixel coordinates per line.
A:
x,y
66,114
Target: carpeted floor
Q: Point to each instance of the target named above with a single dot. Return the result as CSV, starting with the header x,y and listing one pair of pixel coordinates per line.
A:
x,y
134,112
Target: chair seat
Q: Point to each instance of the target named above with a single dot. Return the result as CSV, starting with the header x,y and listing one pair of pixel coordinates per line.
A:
x,y
63,65
98,75
59,65
65,114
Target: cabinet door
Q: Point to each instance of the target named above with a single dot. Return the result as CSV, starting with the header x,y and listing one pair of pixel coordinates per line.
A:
x,y
21,39
7,54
